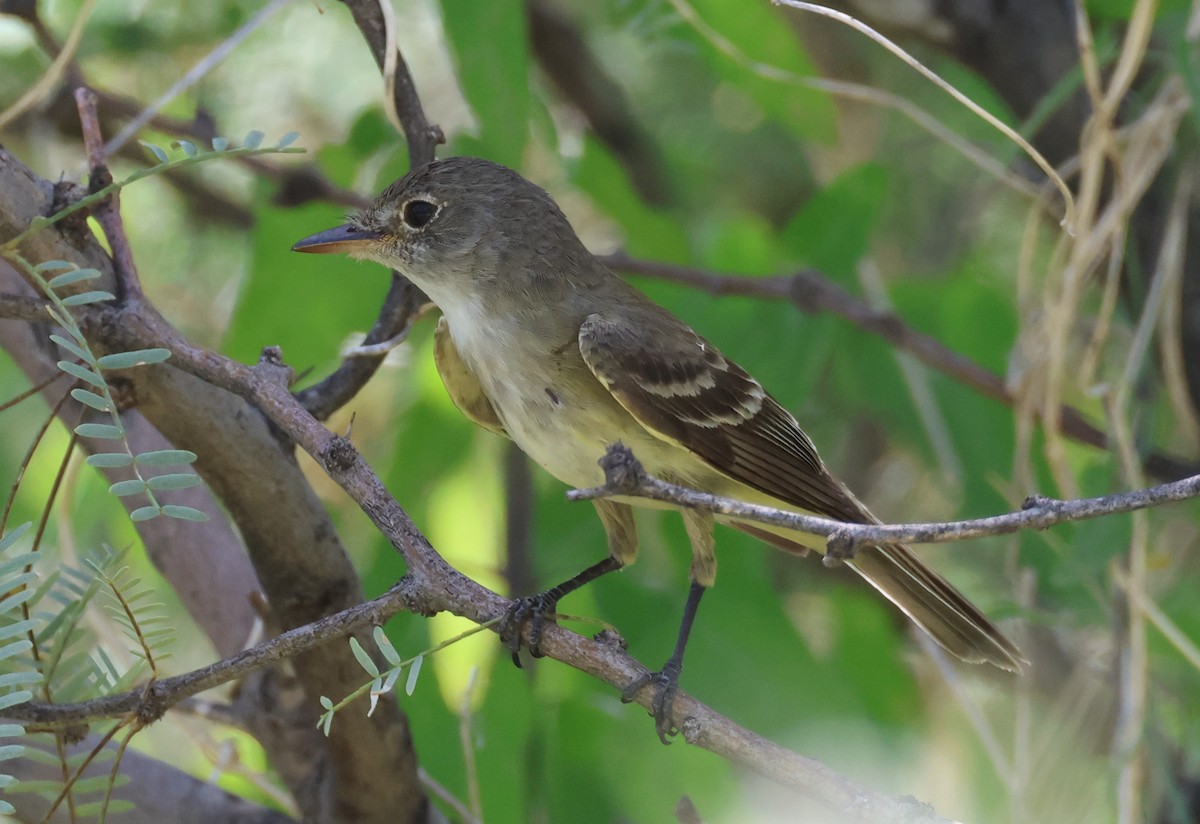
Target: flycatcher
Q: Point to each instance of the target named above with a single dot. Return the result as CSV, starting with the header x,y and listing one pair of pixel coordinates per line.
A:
x,y
540,342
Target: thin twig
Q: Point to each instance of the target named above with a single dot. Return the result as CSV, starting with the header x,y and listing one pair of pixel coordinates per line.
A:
x,y
150,703
108,211
193,75
975,108
625,476
813,293
434,586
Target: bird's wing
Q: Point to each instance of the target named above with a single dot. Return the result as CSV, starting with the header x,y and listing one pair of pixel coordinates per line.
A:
x,y
460,382
686,392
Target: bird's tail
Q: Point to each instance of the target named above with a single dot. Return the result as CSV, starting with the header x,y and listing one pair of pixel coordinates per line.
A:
x,y
921,594
935,606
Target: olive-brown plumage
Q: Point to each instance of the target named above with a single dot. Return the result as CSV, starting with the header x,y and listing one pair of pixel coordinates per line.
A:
x,y
540,342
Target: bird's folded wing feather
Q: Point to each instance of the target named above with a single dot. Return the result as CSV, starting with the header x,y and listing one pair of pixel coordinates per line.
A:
x,y
460,382
686,392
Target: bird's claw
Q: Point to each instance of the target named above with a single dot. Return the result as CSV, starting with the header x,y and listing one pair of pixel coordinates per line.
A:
x,y
665,683
532,611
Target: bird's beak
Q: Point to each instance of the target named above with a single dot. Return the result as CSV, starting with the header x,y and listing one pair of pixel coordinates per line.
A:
x,y
345,238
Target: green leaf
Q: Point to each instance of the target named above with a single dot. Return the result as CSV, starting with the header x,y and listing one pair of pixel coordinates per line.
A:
x,y
52,265
166,457
390,682
12,631
9,751
14,535
110,460
74,349
14,698
105,431
184,513
145,513
253,139
287,140
133,486
14,648
12,679
490,44
138,357
220,144
385,646
763,35
159,154
18,596
82,373
376,691
364,660
189,148
176,480
84,298
68,278
413,672
97,402
832,230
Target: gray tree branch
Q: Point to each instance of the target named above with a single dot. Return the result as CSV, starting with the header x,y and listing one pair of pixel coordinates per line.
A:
x,y
295,551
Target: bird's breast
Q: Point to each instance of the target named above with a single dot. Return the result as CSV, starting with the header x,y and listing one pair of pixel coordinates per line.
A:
x,y
550,403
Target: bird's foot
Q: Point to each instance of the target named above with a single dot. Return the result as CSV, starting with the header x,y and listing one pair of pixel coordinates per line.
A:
x,y
533,611
665,684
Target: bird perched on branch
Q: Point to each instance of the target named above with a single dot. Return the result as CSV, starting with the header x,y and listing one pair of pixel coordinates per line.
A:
x,y
540,342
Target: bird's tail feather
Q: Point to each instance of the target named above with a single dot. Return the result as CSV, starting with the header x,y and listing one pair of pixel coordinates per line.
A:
x,y
924,596
935,606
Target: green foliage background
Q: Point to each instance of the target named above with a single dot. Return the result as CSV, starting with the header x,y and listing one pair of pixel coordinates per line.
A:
x,y
763,177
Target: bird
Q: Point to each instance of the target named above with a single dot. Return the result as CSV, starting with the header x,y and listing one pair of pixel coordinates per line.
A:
x,y
540,342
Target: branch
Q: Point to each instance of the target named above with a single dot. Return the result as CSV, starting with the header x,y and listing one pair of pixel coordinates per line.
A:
x,y
403,302
108,211
423,137
813,293
624,475
22,307
401,308
700,725
151,701
367,766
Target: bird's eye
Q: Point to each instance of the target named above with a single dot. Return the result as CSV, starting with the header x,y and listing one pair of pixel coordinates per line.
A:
x,y
419,212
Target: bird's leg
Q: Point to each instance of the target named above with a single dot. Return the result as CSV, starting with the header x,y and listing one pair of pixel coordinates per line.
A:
x,y
666,680
699,527
622,547
534,608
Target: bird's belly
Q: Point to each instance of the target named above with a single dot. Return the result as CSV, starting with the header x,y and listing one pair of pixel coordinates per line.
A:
x,y
568,431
